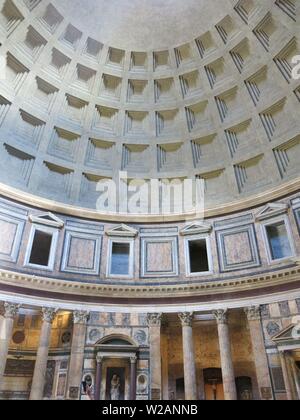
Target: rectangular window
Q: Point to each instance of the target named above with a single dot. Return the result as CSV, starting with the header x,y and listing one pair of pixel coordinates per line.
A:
x,y
198,256
120,259
41,248
278,241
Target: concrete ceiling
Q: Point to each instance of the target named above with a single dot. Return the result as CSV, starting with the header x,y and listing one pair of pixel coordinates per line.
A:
x,y
144,24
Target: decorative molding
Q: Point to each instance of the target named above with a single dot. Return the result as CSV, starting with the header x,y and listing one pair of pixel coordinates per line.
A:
x,y
221,316
253,313
47,219
48,314
271,210
226,286
80,317
186,318
10,310
14,238
154,319
123,231
196,228
146,242
247,244
93,264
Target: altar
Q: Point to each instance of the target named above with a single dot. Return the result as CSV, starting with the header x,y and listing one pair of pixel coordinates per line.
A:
x,y
116,372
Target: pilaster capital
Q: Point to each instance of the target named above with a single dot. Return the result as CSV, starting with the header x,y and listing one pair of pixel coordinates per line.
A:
x,y
154,319
186,318
48,314
221,316
253,313
80,317
11,310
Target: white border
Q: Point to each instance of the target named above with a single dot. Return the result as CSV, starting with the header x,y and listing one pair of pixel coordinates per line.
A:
x,y
207,238
274,221
51,231
119,240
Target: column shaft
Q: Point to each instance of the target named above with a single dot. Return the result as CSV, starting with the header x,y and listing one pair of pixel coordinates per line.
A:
x,y
259,353
226,356
98,381
190,382
286,376
7,325
296,377
154,322
133,361
77,355
165,365
40,368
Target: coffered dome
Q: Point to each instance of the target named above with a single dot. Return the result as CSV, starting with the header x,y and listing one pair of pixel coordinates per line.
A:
x,y
159,89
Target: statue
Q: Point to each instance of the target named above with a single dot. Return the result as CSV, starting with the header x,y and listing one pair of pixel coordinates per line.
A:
x,y
115,388
246,395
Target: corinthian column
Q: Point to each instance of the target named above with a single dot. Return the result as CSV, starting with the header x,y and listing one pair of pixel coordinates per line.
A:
x,y
80,319
190,382
7,325
40,368
226,355
154,322
259,352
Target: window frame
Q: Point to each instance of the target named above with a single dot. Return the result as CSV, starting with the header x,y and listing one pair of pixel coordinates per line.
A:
x,y
187,241
274,221
50,231
119,240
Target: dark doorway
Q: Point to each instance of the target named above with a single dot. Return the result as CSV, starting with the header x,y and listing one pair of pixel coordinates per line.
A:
x,y
213,384
244,388
180,394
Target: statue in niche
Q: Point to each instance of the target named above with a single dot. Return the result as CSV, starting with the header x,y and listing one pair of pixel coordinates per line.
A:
x,y
115,386
246,395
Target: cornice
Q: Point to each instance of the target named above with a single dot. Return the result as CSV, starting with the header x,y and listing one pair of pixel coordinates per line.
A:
x,y
226,208
209,289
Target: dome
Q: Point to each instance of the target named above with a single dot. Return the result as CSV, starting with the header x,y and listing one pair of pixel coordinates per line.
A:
x,y
153,89
149,200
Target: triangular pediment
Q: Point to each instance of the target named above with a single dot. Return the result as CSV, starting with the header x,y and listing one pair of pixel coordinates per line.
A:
x,y
271,210
47,219
123,231
196,228
291,333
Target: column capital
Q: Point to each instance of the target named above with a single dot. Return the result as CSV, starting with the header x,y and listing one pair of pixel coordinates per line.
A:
x,y
221,316
154,319
99,359
80,317
10,310
253,313
186,318
133,360
48,314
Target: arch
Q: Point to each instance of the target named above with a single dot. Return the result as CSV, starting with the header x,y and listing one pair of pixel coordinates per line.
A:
x,y
117,340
